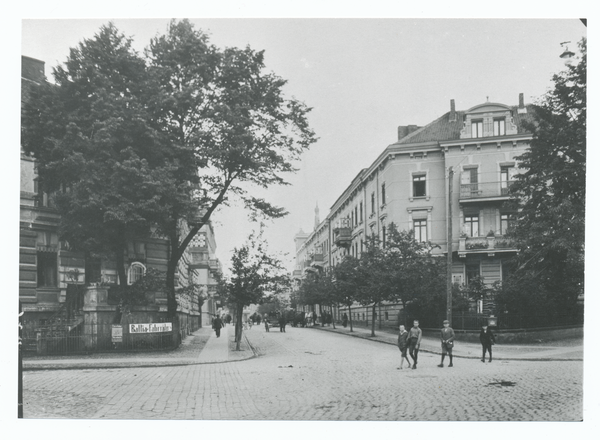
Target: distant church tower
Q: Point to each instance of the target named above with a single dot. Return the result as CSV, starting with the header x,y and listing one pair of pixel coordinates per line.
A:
x,y
317,221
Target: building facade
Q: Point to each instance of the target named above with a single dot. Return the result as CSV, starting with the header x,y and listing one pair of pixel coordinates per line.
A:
x,y
69,291
466,158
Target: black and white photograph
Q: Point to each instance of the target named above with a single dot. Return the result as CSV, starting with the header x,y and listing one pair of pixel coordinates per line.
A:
x,y
301,218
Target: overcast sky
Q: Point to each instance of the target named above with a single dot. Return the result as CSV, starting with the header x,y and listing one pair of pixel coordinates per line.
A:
x,y
362,77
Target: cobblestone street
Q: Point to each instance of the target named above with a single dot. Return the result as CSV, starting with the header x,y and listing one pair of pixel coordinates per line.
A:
x,y
306,374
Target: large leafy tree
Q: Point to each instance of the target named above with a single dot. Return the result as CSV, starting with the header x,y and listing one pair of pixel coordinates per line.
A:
x,y
221,107
94,149
156,145
254,273
550,193
346,283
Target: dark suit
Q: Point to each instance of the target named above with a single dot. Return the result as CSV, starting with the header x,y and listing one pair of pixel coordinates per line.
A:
x,y
487,339
217,325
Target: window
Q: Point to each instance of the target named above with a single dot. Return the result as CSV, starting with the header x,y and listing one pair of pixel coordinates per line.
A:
x,y
506,177
469,182
386,316
499,127
352,218
136,272
383,194
47,269
383,235
506,223
472,226
472,270
356,214
420,228
373,202
360,218
419,186
477,128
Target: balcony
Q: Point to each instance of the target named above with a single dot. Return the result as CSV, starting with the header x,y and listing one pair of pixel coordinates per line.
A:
x,y
297,273
342,233
484,245
484,191
214,265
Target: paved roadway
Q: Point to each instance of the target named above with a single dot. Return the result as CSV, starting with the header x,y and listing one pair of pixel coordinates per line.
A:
x,y
307,374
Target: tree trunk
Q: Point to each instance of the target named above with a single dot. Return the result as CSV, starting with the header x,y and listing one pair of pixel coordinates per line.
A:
x,y
170,281
350,317
238,328
373,320
332,318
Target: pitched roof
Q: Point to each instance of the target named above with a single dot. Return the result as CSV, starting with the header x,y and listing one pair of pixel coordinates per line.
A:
x,y
442,129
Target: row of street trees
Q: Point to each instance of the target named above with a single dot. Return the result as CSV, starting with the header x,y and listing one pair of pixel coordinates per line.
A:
x,y
403,271
134,146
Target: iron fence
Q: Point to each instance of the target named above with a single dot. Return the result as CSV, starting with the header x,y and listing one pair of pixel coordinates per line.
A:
x,y
79,337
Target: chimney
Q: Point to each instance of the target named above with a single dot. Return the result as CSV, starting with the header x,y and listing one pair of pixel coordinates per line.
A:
x,y
402,131
405,130
452,117
522,108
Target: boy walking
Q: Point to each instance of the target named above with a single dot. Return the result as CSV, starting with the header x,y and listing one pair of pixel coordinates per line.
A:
x,y
403,346
447,338
487,339
414,340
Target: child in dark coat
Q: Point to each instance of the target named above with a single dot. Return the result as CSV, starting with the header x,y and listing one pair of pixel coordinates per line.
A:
x,y
487,339
403,346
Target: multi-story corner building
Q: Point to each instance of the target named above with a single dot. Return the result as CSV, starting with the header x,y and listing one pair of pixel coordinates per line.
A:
x,y
49,269
409,185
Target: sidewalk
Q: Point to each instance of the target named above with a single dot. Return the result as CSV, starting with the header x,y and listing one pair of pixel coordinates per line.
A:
x,y
201,347
572,352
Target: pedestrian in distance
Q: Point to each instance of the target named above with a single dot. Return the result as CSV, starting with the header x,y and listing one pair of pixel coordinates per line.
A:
x,y
414,339
447,339
217,325
282,323
344,320
266,321
403,346
487,339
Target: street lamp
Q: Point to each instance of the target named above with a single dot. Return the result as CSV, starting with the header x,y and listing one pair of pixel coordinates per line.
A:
x,y
567,55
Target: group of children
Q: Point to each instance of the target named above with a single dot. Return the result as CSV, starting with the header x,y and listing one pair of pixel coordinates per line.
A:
x,y
411,341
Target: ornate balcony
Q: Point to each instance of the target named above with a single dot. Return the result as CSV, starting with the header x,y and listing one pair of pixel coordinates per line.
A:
x,y
484,245
342,233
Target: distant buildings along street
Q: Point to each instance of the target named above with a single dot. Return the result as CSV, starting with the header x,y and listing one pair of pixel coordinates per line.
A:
x,y
407,185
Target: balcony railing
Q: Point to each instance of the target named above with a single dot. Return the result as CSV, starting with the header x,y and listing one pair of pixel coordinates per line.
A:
x,y
484,244
484,190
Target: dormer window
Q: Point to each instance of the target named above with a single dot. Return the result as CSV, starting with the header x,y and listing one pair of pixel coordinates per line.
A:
x,y
499,126
477,128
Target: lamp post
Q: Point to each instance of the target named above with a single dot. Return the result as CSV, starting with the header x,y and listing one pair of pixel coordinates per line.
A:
x,y
567,55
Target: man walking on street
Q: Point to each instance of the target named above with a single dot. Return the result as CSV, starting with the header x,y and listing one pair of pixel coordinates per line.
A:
x,y
282,323
414,338
447,338
217,325
487,339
